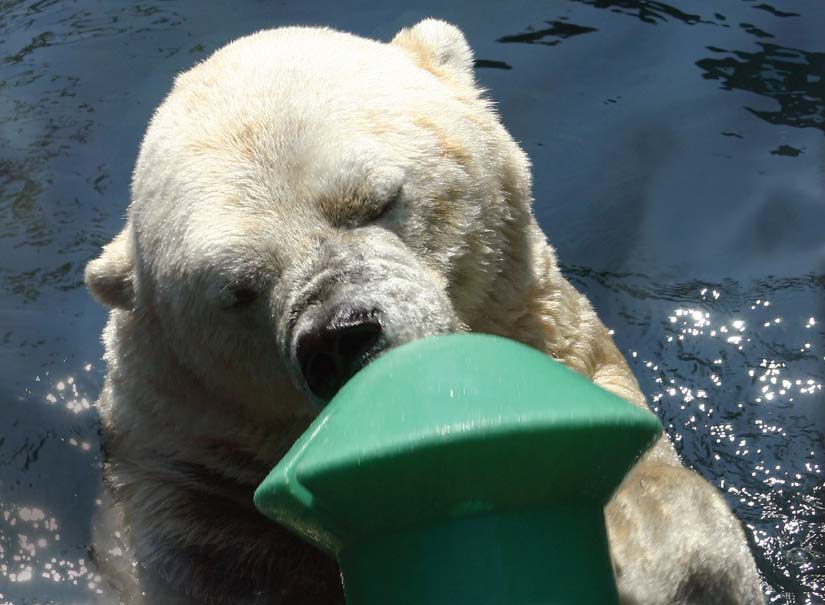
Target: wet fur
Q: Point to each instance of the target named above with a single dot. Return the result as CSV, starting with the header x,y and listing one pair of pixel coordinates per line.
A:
x,y
316,169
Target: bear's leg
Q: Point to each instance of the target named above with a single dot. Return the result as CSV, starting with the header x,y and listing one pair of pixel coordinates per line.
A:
x,y
673,540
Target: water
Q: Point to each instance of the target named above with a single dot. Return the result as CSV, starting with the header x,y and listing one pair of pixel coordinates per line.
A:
x,y
679,164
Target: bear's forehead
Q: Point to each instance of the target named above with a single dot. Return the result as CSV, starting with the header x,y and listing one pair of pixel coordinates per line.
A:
x,y
293,100
284,122
280,95
304,73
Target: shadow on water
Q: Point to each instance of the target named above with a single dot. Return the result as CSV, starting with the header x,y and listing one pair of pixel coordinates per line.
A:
x,y
653,12
645,10
794,78
557,29
775,12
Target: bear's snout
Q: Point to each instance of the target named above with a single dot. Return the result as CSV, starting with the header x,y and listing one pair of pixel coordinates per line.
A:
x,y
334,349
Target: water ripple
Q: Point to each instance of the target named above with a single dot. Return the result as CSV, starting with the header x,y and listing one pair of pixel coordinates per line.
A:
x,y
735,373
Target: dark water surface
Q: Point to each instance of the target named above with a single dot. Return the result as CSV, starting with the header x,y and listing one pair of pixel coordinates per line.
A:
x,y
679,158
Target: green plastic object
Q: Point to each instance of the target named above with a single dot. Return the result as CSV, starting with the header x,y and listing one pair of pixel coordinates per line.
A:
x,y
462,470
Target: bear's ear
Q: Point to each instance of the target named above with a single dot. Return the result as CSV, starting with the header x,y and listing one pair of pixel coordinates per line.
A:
x,y
440,48
111,276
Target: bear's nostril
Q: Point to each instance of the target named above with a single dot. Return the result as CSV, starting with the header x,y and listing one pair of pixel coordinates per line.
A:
x,y
321,373
354,341
331,353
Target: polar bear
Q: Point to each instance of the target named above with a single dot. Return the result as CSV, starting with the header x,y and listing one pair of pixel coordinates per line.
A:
x,y
303,200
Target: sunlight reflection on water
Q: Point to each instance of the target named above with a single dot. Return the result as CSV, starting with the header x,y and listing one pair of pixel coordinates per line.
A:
x,y
42,546
741,395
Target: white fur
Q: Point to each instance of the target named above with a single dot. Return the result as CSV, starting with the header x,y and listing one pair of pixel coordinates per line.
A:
x,y
317,168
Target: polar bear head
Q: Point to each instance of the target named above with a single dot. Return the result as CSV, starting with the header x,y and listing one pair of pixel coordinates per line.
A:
x,y
305,199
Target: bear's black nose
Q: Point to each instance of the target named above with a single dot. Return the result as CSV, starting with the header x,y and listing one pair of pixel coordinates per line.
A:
x,y
332,352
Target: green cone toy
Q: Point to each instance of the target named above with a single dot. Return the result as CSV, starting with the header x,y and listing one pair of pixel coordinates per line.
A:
x,y
462,470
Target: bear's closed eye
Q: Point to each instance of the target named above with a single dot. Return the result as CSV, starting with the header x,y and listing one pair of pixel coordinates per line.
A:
x,y
239,296
355,209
